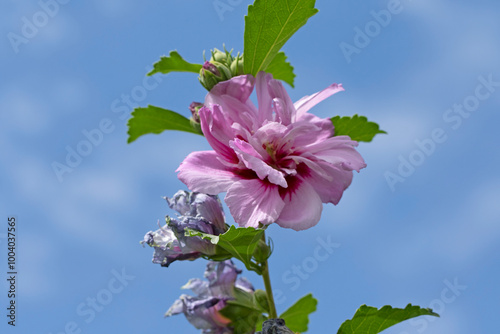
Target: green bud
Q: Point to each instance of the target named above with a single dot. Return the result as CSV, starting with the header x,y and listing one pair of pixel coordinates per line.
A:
x,y
221,67
262,251
212,73
237,66
221,57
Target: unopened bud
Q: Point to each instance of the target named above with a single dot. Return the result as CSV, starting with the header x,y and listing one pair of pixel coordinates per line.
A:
x,y
237,66
221,57
221,67
194,107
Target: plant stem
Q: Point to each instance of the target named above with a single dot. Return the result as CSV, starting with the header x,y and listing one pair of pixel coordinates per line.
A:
x,y
269,290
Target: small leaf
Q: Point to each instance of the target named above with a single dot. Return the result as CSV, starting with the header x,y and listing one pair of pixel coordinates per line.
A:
x,y
281,69
370,320
156,120
174,63
356,127
239,242
268,26
261,301
242,312
297,316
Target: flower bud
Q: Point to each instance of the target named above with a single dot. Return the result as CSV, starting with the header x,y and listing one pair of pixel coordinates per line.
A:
x,y
237,66
221,57
221,67
194,107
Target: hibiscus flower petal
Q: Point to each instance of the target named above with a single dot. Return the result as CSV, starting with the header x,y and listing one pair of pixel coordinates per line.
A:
x,y
264,99
302,208
218,132
253,201
239,87
330,190
339,151
203,172
285,110
254,161
324,124
307,102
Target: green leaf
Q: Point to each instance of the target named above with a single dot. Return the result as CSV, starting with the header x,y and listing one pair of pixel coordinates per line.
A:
x,y
356,127
156,120
370,320
281,69
239,242
261,301
268,26
242,312
174,63
297,316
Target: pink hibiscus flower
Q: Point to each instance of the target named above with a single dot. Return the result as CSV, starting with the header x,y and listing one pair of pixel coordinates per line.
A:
x,y
278,163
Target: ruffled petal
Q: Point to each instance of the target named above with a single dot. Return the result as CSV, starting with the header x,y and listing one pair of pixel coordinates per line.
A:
x,y
239,87
254,161
285,110
325,128
253,201
302,208
203,172
264,99
339,151
329,189
307,102
198,286
218,131
233,98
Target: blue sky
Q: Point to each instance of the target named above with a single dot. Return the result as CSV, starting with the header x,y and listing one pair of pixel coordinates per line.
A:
x,y
397,242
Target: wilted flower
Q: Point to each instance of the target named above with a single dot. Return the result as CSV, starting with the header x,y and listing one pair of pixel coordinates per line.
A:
x,y
197,211
278,163
202,310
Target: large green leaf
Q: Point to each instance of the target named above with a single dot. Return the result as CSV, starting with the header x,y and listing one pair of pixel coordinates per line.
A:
x,y
239,242
297,316
174,63
268,26
156,120
356,127
281,69
370,320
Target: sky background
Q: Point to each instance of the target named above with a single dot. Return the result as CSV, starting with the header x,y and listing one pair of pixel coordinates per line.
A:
x,y
398,244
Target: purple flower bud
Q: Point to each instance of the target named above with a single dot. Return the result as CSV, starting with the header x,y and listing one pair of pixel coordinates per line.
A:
x,y
194,107
208,66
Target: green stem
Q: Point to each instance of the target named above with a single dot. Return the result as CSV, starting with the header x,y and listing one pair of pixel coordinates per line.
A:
x,y
269,290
